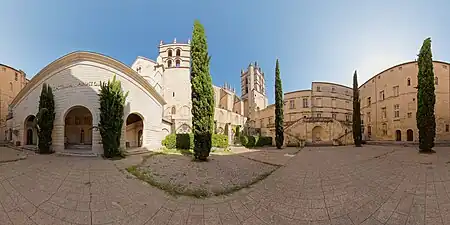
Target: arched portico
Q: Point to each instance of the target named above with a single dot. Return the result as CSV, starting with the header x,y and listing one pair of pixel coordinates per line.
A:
x,y
134,130
78,128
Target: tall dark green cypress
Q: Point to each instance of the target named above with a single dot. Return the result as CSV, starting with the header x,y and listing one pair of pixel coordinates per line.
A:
x,y
279,130
45,119
201,93
426,98
112,100
356,123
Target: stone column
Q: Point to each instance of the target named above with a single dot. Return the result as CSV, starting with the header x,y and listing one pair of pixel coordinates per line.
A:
x,y
97,146
228,132
58,138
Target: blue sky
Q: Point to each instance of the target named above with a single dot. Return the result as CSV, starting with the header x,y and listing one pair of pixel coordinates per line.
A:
x,y
314,40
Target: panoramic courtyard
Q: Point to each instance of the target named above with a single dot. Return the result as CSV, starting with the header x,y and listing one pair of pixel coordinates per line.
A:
x,y
322,185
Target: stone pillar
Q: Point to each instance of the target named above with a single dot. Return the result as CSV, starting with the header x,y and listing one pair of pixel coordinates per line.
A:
x,y
58,137
228,132
123,138
97,146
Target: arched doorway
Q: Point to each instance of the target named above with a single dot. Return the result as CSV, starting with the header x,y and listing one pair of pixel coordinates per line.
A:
x,y
134,130
317,134
398,135
409,135
78,128
30,129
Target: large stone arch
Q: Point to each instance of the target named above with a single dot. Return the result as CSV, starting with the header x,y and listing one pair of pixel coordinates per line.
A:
x,y
135,130
30,136
318,134
78,128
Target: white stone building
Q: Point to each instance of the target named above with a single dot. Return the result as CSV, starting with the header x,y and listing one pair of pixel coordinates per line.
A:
x,y
159,100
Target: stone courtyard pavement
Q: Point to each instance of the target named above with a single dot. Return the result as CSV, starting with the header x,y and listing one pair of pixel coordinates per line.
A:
x,y
334,185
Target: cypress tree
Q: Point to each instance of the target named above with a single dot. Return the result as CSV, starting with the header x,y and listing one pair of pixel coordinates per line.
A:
x,y
201,93
426,98
45,119
112,103
279,130
356,124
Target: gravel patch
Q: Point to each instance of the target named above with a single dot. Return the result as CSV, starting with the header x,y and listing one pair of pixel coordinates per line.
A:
x,y
222,174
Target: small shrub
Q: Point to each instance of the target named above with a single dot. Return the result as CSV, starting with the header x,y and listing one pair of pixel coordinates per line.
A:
x,y
186,141
183,141
170,141
251,141
244,140
264,141
219,140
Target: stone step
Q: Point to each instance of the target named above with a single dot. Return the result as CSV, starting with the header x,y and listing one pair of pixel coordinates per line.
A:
x,y
76,153
136,151
84,147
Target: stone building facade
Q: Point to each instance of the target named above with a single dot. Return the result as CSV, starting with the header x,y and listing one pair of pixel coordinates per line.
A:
x,y
11,82
323,114
389,103
319,115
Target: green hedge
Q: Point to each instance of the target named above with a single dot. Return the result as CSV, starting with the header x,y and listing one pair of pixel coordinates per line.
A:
x,y
255,141
186,141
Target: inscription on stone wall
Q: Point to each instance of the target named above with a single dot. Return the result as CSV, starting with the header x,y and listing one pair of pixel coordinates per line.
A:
x,y
79,84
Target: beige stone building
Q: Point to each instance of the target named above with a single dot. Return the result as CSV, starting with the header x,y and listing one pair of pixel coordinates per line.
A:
x,y
389,103
320,115
11,82
323,114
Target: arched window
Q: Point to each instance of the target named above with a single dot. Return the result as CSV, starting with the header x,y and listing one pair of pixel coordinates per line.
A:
x,y
169,53
408,82
436,80
10,86
169,63
178,52
177,63
173,111
16,77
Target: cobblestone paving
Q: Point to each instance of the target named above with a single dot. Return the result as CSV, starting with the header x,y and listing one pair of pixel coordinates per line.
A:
x,y
340,185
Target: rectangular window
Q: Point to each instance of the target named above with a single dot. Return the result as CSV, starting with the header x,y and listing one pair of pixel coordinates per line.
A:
x,y
333,103
381,95
446,127
318,88
334,115
318,102
348,117
383,113
305,103
396,90
292,104
396,111
369,101
319,115
409,115
368,117
333,89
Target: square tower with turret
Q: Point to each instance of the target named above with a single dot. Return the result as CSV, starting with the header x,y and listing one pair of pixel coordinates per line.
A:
x,y
253,90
